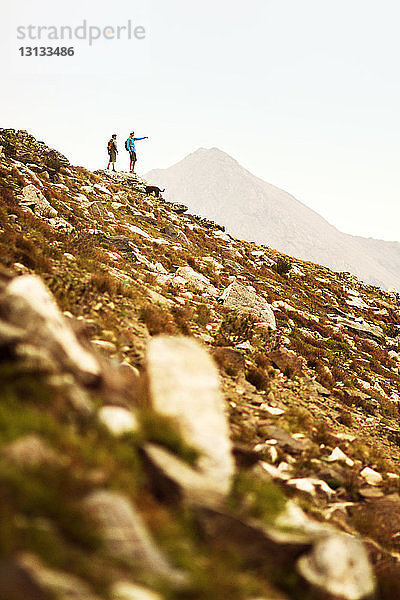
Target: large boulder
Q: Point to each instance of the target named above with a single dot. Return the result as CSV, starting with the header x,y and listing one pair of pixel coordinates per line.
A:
x,y
184,383
243,299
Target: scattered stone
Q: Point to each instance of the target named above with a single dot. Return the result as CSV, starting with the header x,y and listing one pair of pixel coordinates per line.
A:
x,y
243,299
288,362
125,535
371,492
365,329
98,210
175,234
27,301
198,281
30,451
174,480
179,209
310,485
102,189
272,410
105,346
118,420
285,441
34,199
371,477
125,590
230,360
338,455
184,383
339,565
52,583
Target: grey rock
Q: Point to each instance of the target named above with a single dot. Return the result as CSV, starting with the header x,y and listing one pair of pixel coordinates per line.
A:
x,y
176,481
98,210
245,300
34,198
125,535
30,450
285,441
198,281
365,329
57,583
125,590
176,234
184,383
27,301
288,362
178,208
338,565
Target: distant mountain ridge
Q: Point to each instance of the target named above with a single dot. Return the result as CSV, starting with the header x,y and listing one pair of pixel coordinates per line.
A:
x,y
214,185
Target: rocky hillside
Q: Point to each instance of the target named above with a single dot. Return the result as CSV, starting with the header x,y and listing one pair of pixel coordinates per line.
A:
x,y
184,415
215,185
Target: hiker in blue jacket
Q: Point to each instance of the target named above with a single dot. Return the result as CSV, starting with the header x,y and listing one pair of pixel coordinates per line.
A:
x,y
130,146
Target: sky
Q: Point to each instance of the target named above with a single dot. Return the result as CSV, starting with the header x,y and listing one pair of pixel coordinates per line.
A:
x,y
303,93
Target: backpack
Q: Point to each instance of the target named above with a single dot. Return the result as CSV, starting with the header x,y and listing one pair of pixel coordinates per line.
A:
x,y
110,146
126,146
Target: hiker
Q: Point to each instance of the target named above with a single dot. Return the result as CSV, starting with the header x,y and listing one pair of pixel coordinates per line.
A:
x,y
130,146
112,151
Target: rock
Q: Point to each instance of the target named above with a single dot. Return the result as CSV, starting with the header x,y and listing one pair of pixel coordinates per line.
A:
x,y
30,451
34,198
125,535
371,492
118,420
175,234
97,209
27,301
338,565
52,583
61,225
310,485
338,455
125,590
230,360
174,480
179,209
364,329
285,441
243,299
105,346
288,362
273,411
17,583
184,383
198,281
382,517
371,477
102,189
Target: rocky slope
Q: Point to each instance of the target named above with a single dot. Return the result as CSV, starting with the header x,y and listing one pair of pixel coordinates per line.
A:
x,y
184,414
216,186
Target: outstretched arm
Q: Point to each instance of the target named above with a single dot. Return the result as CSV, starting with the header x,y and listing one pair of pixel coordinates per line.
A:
x,y
142,138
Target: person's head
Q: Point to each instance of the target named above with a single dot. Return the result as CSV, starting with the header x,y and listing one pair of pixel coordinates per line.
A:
x,y
132,133
114,135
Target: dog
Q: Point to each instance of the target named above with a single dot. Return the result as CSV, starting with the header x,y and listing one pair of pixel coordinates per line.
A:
x,y
153,189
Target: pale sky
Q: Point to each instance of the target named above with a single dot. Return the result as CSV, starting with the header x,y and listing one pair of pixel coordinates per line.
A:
x,y
303,93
